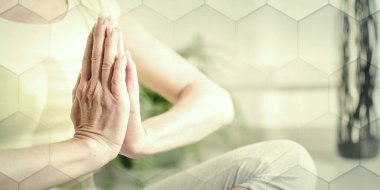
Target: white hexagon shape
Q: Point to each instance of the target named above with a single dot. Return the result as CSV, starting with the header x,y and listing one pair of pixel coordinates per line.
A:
x,y
8,183
273,108
47,9
9,96
45,95
7,4
320,37
267,39
357,178
173,9
307,181
289,76
69,35
128,5
38,179
297,9
19,131
335,82
235,74
157,25
33,45
351,6
31,18
235,9
329,163
211,27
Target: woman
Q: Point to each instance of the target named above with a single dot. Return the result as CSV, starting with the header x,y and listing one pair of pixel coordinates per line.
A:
x,y
106,113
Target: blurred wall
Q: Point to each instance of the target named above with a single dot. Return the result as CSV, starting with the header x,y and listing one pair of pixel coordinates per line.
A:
x,y
280,59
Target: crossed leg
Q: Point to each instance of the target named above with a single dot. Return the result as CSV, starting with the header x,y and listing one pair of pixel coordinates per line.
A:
x,y
271,165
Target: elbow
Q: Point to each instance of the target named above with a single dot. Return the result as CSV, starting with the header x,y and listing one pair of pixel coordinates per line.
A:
x,y
231,109
225,107
216,100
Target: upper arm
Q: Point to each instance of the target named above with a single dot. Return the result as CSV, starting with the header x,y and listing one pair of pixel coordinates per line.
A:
x,y
159,68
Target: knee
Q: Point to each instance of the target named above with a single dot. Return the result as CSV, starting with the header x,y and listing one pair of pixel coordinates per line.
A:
x,y
293,165
305,160
280,163
292,153
298,154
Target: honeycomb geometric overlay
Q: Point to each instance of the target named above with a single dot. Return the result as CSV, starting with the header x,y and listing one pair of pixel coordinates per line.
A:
x,y
281,60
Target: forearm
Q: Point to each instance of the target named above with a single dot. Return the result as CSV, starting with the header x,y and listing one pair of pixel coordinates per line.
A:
x,y
199,111
47,166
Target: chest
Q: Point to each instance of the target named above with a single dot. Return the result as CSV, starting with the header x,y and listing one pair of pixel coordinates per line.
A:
x,y
42,62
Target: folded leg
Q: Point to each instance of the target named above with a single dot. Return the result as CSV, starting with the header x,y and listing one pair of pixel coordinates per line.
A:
x,y
271,165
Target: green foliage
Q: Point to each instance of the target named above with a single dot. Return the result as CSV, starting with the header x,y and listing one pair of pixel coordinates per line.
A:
x,y
152,103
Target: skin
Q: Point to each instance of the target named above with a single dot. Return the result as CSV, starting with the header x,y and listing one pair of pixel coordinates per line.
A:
x,y
99,113
199,106
106,109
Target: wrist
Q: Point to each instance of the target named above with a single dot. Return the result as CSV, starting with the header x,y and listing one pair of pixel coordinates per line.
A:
x,y
138,148
95,151
135,150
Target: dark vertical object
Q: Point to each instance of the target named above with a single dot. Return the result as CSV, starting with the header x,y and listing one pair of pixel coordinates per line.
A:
x,y
357,133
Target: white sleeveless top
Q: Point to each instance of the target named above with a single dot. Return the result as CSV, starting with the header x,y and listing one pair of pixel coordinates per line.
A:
x,y
38,69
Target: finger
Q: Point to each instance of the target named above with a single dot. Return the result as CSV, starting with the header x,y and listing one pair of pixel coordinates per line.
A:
x,y
120,47
76,87
97,50
86,63
119,74
132,83
120,44
118,87
110,51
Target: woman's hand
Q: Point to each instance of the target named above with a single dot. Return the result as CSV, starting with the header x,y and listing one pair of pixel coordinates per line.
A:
x,y
100,115
137,142
100,99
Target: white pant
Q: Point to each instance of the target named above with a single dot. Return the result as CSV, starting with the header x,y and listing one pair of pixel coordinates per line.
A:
x,y
266,165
